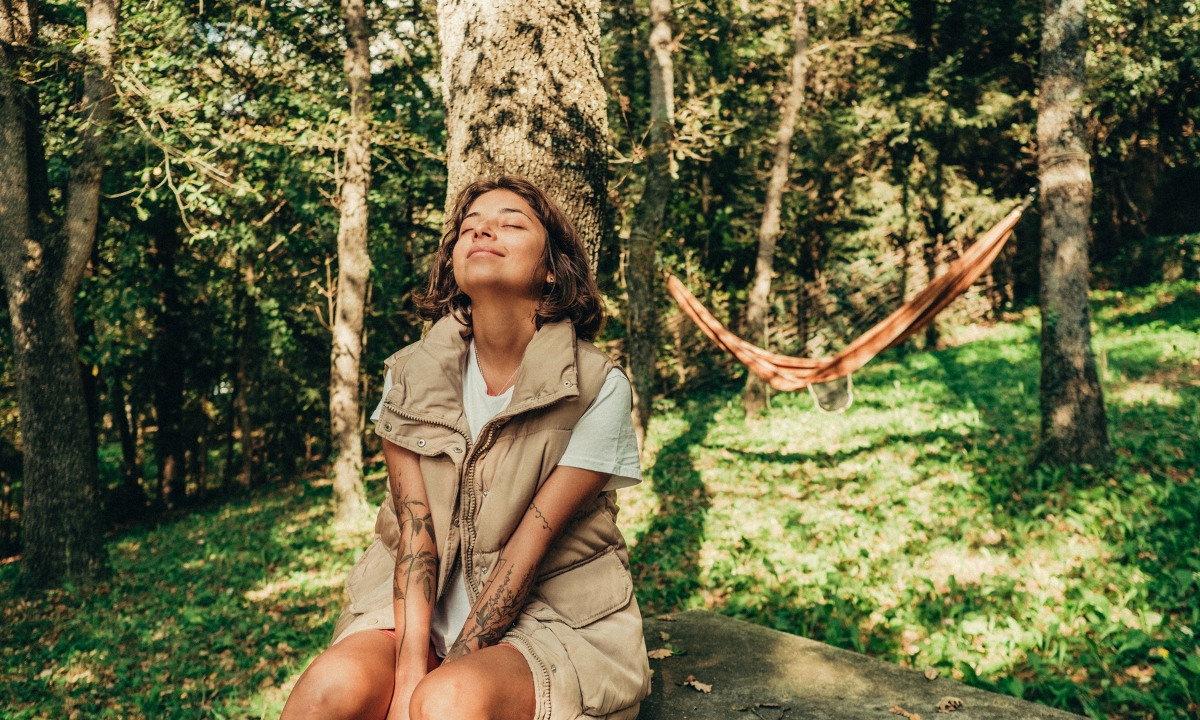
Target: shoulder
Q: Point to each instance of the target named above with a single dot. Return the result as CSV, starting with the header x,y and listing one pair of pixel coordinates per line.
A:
x,y
398,359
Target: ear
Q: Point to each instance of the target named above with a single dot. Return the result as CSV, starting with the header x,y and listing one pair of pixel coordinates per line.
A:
x,y
549,278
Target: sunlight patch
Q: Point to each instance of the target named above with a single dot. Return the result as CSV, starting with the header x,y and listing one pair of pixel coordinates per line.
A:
x,y
1147,393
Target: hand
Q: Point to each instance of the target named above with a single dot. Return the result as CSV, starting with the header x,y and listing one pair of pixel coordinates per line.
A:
x,y
401,697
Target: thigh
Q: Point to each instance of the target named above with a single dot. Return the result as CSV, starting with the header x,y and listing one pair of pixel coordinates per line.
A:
x,y
352,679
492,684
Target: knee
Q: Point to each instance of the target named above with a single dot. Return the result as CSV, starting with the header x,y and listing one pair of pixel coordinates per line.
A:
x,y
448,695
325,690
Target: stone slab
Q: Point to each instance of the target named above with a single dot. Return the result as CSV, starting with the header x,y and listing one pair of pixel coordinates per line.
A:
x,y
748,664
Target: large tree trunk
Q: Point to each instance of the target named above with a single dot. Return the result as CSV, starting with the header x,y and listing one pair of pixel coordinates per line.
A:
x,y
754,396
62,520
521,83
642,331
1074,428
354,269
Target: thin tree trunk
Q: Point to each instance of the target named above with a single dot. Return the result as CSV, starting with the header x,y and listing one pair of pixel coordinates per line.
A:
x,y
241,402
354,268
170,341
1074,427
87,163
129,500
642,331
754,396
521,84
62,522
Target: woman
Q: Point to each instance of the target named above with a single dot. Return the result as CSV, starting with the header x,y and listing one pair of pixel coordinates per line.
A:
x,y
497,585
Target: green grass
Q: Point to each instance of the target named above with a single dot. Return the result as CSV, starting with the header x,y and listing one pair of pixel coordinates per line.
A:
x,y
211,615
913,529
910,528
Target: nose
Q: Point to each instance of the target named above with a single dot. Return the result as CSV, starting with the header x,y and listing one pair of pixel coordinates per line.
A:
x,y
486,229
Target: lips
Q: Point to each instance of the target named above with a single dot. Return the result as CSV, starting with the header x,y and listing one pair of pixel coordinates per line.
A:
x,y
481,250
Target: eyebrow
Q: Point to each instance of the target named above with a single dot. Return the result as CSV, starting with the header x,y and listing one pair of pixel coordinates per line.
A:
x,y
502,210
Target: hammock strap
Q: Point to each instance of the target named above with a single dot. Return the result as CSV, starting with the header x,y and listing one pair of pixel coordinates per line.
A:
x,y
849,397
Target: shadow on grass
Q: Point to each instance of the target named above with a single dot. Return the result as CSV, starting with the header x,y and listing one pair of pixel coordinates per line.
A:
x,y
665,558
198,617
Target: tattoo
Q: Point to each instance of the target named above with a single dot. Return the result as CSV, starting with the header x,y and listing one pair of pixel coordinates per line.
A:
x,y
411,561
545,522
495,611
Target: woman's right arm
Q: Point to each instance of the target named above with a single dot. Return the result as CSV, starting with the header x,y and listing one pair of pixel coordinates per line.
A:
x,y
414,585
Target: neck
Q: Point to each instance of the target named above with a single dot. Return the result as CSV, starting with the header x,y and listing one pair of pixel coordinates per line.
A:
x,y
502,331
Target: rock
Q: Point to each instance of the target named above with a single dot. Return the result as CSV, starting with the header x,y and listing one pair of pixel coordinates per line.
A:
x,y
751,667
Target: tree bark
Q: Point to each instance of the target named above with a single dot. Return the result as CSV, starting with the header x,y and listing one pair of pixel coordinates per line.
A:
x,y
241,391
1074,427
642,329
754,395
354,268
62,521
521,84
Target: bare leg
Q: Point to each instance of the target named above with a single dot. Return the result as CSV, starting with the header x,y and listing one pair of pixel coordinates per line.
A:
x,y
491,684
352,679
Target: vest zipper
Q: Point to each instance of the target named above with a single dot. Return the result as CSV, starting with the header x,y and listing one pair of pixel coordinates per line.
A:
x,y
469,517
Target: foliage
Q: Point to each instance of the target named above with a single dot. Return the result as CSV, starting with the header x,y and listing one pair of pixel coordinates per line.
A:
x,y
913,528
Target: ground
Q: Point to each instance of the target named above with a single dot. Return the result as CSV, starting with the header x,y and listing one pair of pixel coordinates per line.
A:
x,y
910,528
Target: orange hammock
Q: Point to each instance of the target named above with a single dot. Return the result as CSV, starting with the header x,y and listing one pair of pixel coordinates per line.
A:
x,y
792,373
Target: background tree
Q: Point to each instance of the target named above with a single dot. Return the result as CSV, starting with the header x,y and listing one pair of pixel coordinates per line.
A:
x,y
754,395
648,216
521,86
354,268
1074,428
41,269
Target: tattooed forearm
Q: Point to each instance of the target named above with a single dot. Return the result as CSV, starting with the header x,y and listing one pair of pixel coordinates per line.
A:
x,y
540,516
495,610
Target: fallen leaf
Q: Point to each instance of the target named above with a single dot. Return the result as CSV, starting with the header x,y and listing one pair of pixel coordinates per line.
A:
x,y
766,705
897,710
697,685
931,672
739,708
949,704
666,618
659,654
665,636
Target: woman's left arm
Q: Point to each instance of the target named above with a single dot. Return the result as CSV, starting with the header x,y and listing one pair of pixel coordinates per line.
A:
x,y
509,582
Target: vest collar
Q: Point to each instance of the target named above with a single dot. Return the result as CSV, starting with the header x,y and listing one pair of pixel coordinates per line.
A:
x,y
431,381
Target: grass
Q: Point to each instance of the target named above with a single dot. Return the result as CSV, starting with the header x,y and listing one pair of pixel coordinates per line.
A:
x,y
911,528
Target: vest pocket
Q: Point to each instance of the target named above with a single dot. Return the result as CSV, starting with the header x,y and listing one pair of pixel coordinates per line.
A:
x,y
587,592
369,585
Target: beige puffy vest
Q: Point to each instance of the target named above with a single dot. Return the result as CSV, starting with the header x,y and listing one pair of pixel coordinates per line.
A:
x,y
478,493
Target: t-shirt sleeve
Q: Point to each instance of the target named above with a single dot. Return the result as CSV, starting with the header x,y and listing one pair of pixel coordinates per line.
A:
x,y
603,440
387,385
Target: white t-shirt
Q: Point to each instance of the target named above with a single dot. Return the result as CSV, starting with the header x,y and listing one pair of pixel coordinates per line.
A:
x,y
602,441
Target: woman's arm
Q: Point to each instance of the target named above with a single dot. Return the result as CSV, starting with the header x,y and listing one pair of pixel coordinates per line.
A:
x,y
414,585
509,582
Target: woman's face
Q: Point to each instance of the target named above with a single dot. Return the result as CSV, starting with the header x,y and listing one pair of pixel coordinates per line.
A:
x,y
500,247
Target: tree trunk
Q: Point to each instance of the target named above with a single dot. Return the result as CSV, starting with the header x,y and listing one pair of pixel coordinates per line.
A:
x,y
1074,427
241,390
354,269
754,396
87,162
521,84
170,341
642,330
129,501
62,521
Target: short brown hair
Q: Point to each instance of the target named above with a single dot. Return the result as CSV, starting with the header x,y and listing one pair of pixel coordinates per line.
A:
x,y
572,296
